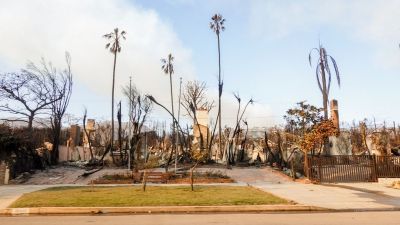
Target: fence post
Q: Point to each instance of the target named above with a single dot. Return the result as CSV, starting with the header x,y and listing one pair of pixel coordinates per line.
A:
x,y
319,169
306,165
374,169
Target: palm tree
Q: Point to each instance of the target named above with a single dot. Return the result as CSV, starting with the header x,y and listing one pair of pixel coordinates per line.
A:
x,y
324,75
168,69
217,25
114,46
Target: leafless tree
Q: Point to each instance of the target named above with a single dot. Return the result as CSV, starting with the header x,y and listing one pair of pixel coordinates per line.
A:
x,y
230,152
195,93
139,108
62,90
34,91
87,133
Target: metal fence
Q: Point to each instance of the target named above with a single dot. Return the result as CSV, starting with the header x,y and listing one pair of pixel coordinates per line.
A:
x,y
352,168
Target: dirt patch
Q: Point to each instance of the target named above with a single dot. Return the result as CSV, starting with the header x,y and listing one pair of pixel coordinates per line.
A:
x,y
201,180
64,175
207,177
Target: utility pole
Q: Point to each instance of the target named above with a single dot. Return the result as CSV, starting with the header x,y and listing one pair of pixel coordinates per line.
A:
x,y
177,133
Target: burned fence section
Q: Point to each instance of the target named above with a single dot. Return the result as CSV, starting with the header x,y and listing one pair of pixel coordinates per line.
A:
x,y
342,168
352,168
387,166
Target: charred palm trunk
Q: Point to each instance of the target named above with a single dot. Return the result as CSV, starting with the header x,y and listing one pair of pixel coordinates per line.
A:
x,y
220,86
112,108
173,148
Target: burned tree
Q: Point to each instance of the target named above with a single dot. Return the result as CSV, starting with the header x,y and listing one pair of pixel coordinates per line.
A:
x,y
194,99
234,138
178,127
114,45
38,90
168,68
217,25
324,74
87,133
62,90
139,108
195,93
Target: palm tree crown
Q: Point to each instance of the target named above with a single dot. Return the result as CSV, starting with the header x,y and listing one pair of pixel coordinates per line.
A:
x,y
217,23
167,66
323,64
114,37
324,74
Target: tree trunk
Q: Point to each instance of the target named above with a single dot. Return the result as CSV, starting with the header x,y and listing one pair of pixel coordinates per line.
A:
x,y
56,141
173,122
324,91
219,100
191,179
30,122
112,107
325,99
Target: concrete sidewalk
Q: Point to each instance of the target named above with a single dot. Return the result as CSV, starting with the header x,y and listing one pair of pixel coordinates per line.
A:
x,y
10,193
337,196
341,196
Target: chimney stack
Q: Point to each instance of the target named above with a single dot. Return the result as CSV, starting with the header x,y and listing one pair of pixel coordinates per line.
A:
x,y
335,113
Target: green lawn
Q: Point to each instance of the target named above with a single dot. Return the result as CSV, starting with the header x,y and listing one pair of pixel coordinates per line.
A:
x,y
154,196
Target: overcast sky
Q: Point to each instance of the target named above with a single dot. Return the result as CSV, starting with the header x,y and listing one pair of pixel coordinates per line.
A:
x,y
264,51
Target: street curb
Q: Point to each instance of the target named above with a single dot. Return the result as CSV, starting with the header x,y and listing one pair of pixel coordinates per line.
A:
x,y
159,209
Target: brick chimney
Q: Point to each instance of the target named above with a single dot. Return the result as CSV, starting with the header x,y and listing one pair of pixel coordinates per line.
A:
x,y
335,113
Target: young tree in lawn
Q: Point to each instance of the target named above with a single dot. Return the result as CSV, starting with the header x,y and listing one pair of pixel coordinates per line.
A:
x,y
217,25
114,45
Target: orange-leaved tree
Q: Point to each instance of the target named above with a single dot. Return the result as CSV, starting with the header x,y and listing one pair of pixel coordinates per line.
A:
x,y
315,139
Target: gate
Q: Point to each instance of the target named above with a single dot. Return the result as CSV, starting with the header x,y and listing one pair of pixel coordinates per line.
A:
x,y
342,168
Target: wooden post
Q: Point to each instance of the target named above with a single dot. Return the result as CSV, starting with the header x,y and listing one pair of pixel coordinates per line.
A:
x,y
144,180
374,169
319,170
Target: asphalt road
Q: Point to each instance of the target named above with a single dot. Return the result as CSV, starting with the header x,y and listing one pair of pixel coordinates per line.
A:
x,y
362,218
